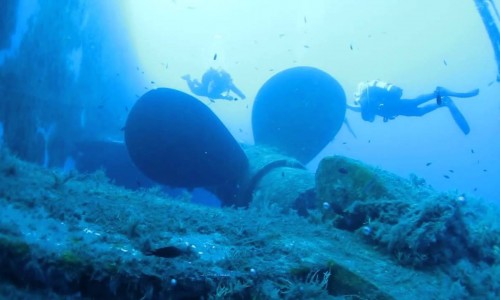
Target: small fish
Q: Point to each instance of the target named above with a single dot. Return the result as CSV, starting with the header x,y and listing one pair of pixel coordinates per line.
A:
x,y
438,99
306,46
446,176
444,62
451,171
343,170
282,174
166,252
305,19
152,82
484,170
215,56
428,164
472,151
350,46
281,35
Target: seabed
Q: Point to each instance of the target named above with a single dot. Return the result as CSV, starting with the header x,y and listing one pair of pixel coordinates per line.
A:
x,y
78,236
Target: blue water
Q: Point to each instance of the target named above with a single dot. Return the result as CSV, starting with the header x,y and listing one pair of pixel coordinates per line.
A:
x,y
416,46
71,73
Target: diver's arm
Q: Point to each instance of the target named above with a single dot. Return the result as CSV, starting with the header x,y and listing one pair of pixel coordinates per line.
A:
x,y
353,108
195,86
237,91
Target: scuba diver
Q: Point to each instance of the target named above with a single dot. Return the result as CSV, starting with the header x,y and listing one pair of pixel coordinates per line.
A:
x,y
384,99
215,84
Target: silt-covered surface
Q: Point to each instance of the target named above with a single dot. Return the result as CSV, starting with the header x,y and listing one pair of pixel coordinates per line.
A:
x,y
79,236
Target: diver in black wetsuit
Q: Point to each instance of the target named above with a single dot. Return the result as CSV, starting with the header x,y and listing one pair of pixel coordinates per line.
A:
x,y
215,84
378,98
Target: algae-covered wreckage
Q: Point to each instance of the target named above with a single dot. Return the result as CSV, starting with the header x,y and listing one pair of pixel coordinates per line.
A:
x,y
381,237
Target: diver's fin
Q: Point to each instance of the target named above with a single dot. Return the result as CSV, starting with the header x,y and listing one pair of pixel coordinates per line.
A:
x,y
346,122
457,115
